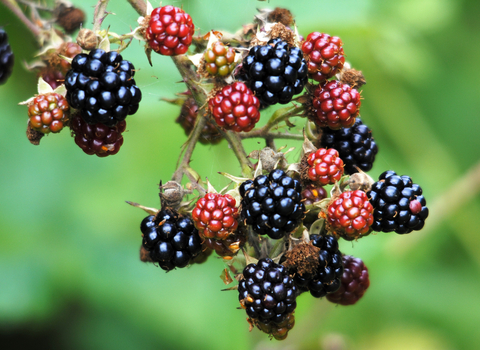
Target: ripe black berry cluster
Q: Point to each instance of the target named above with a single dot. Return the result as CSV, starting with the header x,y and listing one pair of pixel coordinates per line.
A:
x,y
171,239
267,292
6,57
356,146
398,204
272,204
102,87
326,278
275,72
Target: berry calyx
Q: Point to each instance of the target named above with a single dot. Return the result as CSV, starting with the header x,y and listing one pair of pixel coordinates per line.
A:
x,y
215,216
354,282
219,60
399,204
48,113
169,31
98,139
325,166
272,204
324,55
235,107
350,215
336,105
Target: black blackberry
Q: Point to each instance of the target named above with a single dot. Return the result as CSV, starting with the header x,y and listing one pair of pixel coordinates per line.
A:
x,y
356,146
171,239
102,87
327,277
398,204
272,204
274,72
6,57
267,292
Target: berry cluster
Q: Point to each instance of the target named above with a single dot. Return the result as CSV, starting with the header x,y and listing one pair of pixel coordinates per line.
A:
x,y
272,204
219,60
275,72
102,87
171,239
48,113
398,203
324,166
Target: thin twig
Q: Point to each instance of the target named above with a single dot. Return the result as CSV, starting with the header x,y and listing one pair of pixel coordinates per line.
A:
x,y
139,5
17,11
99,14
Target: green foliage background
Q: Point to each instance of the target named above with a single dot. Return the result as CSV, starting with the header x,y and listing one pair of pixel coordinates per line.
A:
x,y
70,277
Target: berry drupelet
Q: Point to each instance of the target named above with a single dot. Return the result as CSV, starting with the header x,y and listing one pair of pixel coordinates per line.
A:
x,y
354,282
102,87
350,215
313,193
97,139
324,55
325,278
324,166
398,203
48,113
219,60
6,57
275,72
171,239
169,31
266,292
272,204
336,105
355,145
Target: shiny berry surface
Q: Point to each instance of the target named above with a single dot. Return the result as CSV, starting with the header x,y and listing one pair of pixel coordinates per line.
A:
x,y
235,108
350,215
336,105
355,281
324,55
313,193
170,31
325,166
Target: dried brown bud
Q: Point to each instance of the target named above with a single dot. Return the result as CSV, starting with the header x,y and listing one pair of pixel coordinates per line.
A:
x,y
303,259
69,18
34,136
171,194
352,77
280,15
87,39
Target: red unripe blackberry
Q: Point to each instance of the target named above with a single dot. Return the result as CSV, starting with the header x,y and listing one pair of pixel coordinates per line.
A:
x,y
57,67
170,31
275,72
266,292
235,107
336,105
325,166
171,239
350,215
398,203
355,145
272,204
326,276
324,55
187,118
48,113
354,282
97,139
313,193
219,60
215,216
6,57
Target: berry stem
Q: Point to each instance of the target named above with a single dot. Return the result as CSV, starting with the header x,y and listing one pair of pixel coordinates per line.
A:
x,y
139,5
235,143
99,14
270,135
17,11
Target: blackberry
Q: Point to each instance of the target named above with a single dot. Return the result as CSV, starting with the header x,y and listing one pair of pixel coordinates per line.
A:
x,y
272,204
274,72
398,204
102,87
266,292
356,146
325,277
171,239
6,57
355,281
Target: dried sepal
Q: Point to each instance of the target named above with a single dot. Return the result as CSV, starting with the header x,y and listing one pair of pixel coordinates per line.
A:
x,y
150,211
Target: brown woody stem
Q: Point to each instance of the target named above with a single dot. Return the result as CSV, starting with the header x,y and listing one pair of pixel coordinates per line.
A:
x,y
17,11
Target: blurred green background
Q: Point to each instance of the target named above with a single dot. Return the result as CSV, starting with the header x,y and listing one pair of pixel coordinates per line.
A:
x,y
70,276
